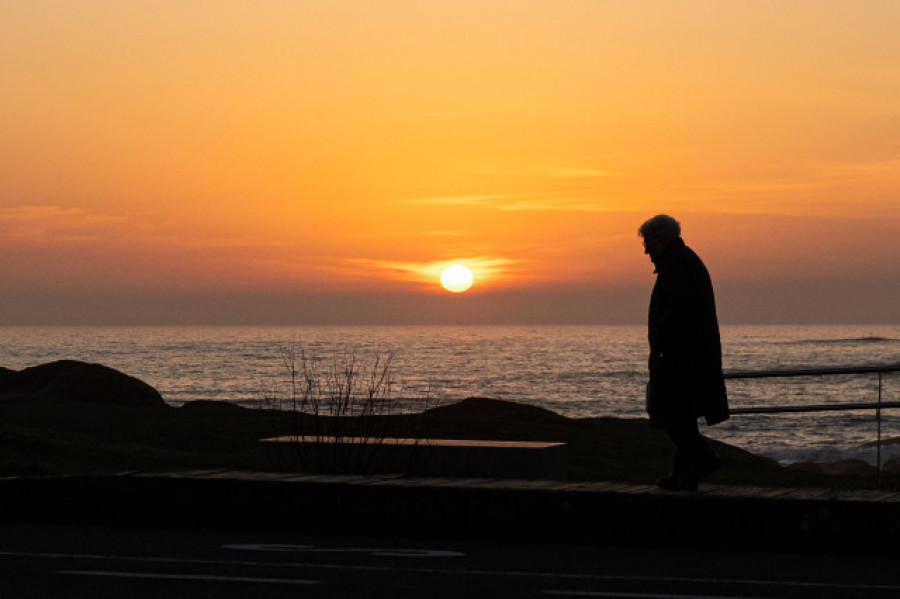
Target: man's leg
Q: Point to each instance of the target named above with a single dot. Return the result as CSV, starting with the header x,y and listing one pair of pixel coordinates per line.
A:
x,y
689,445
693,459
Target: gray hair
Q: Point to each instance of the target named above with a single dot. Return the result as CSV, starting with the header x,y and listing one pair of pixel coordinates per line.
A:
x,y
661,226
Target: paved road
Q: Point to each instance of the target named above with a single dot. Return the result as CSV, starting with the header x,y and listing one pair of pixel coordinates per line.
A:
x,y
50,561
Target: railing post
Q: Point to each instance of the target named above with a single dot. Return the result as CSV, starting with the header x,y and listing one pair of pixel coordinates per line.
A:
x,y
878,420
878,406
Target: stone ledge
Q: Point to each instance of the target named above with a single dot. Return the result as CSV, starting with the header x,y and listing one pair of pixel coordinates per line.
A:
x,y
420,457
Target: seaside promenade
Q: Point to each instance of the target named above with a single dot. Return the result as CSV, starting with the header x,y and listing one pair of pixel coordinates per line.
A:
x,y
714,517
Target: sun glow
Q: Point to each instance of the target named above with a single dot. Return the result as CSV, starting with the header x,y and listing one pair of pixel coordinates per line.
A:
x,y
457,278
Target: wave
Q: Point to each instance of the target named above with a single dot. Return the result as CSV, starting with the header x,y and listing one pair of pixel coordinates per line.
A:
x,y
598,374
847,341
829,455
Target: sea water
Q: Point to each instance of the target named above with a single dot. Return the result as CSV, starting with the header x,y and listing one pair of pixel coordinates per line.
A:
x,y
576,371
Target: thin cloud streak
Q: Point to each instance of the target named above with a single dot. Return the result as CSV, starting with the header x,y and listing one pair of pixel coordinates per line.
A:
x,y
37,221
483,267
461,200
553,172
32,213
549,201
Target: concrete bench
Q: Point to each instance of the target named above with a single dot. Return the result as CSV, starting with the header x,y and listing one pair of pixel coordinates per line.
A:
x,y
420,457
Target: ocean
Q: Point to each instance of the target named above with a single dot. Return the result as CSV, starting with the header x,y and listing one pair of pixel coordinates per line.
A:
x,y
576,371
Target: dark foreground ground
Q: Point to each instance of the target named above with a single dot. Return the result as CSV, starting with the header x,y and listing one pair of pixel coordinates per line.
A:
x,y
716,517
43,561
47,437
83,445
70,462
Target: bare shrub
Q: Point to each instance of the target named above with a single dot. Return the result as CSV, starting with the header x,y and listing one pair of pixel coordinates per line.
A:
x,y
341,410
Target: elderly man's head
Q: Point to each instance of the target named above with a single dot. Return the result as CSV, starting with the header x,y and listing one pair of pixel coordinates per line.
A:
x,y
658,233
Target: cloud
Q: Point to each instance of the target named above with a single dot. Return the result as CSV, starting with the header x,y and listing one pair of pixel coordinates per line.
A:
x,y
483,267
461,200
564,202
573,201
813,188
437,233
887,169
38,221
27,213
430,115
576,173
551,172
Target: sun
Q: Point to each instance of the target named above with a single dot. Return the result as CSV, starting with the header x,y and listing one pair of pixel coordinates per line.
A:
x,y
456,278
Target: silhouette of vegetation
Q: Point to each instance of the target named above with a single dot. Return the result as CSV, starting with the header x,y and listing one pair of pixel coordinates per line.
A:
x,y
342,410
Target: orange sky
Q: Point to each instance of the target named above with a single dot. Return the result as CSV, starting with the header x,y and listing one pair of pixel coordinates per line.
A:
x,y
311,161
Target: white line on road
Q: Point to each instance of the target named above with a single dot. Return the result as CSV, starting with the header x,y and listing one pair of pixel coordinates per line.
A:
x,y
637,595
463,572
147,575
380,551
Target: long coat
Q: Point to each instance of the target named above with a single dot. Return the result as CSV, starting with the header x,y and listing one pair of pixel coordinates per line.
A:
x,y
685,349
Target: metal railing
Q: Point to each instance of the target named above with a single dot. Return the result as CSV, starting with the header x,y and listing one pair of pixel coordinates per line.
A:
x,y
843,370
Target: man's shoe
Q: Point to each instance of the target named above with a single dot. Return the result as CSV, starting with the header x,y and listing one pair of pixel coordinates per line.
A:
x,y
674,482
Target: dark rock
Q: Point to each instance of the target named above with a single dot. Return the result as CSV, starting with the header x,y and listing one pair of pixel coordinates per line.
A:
x,y
207,407
495,410
850,467
71,380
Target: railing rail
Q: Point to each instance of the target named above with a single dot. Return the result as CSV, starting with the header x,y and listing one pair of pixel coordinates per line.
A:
x,y
839,407
757,374
841,370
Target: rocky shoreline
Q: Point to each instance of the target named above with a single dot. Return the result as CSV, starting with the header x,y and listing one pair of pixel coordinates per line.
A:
x,y
69,417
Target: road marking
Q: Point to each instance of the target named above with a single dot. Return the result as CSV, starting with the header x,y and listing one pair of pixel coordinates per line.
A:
x,y
146,575
380,551
638,595
457,571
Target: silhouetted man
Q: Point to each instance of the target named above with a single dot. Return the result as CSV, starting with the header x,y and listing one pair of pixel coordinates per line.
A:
x,y
685,353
